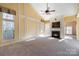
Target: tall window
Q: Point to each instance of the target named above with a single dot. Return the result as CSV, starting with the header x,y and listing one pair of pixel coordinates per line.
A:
x,y
8,26
69,30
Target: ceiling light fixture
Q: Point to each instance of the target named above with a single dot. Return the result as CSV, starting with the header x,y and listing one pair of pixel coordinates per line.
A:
x,y
48,11
45,21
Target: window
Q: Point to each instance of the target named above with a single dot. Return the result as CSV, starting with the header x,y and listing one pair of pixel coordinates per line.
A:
x,y
69,30
8,26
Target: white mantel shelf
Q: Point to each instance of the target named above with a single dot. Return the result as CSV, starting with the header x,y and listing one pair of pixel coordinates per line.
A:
x,y
55,29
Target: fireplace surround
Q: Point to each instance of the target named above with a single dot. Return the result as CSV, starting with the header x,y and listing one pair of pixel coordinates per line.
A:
x,y
56,29
56,34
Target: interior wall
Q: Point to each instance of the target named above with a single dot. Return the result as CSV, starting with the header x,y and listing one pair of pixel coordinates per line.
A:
x,y
21,19
61,26
0,29
74,28
71,21
27,22
24,27
33,24
14,7
77,28
30,12
73,24
47,29
32,28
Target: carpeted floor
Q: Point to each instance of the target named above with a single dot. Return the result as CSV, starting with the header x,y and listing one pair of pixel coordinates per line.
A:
x,y
42,47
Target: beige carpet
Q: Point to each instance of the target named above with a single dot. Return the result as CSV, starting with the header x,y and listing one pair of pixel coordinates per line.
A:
x,y
41,47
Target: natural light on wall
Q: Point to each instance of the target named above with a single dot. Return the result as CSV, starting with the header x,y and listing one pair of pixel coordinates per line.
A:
x,y
78,15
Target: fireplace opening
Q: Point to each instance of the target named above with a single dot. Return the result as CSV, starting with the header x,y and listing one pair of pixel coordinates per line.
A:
x,y
56,34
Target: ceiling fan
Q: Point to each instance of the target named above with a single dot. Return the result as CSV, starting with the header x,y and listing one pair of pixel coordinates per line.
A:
x,y
48,11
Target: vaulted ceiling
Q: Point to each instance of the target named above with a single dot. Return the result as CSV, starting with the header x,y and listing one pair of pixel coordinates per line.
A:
x,y
62,9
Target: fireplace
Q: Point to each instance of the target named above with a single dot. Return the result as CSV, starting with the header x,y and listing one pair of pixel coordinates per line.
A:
x,y
56,34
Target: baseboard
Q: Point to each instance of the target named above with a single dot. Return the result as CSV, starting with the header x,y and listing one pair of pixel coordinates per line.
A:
x,y
29,38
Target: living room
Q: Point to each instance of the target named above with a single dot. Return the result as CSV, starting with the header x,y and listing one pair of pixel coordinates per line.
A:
x,y
39,29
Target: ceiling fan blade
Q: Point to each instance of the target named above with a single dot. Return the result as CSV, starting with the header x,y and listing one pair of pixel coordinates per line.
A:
x,y
52,11
42,11
48,13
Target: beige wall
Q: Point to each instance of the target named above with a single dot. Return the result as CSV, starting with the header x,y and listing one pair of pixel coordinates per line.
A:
x,y
33,22
77,28
30,12
15,7
21,20
73,24
0,29
71,21
24,27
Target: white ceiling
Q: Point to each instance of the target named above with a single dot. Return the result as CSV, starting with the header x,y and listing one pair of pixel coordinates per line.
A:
x,y
62,9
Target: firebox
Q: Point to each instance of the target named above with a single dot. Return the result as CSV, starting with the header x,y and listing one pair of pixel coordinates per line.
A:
x,y
56,34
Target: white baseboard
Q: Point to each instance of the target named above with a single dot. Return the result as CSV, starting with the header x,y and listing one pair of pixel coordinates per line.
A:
x,y
29,38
